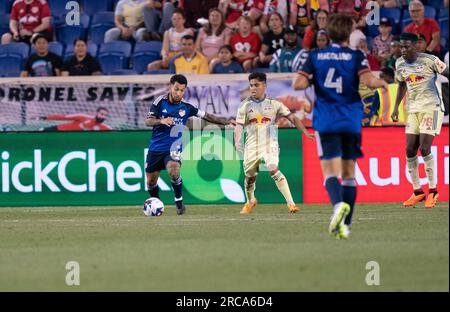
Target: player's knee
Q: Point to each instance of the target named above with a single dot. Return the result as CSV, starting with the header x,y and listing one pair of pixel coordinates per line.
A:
x,y
152,180
425,150
250,180
411,151
174,173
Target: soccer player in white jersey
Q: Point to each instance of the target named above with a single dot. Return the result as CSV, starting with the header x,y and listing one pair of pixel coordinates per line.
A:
x,y
258,115
417,74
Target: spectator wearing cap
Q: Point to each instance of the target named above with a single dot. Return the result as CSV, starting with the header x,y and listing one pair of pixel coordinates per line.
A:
x,y
28,17
42,63
129,20
426,26
381,43
320,22
272,41
81,63
283,58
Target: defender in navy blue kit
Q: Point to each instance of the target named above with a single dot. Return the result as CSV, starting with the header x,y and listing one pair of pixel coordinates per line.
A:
x,y
335,72
168,115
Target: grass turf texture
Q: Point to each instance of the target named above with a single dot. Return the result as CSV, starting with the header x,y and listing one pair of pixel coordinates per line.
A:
x,y
214,248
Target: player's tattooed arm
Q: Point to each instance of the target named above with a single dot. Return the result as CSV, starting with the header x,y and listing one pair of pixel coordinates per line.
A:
x,y
217,120
300,126
401,91
152,121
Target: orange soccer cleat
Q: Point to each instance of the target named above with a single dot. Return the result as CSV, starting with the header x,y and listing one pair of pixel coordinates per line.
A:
x,y
249,206
431,200
414,199
293,208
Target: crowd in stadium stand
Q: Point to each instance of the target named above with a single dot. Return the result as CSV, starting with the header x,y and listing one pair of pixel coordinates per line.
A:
x,y
232,36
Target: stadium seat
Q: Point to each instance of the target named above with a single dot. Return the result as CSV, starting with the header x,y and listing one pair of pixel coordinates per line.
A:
x,y
149,46
157,72
84,20
123,47
11,65
443,13
58,7
393,13
92,7
103,18
260,70
97,32
141,60
67,34
110,62
437,4
430,12
405,22
3,7
443,24
4,23
20,48
124,72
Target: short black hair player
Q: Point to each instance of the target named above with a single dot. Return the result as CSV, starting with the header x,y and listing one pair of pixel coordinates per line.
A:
x,y
168,115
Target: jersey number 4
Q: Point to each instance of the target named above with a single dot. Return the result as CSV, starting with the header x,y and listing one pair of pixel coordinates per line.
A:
x,y
329,83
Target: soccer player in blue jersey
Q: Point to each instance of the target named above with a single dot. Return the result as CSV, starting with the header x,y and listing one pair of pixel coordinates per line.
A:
x,y
335,72
168,116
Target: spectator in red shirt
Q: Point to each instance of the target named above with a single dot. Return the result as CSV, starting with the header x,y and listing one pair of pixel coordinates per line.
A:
x,y
374,65
27,18
245,43
425,26
80,122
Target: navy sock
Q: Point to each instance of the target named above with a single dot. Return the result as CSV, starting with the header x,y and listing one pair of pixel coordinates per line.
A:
x,y
334,189
178,189
349,196
153,190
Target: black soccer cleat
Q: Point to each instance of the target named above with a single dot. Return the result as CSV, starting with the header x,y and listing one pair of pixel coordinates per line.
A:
x,y
181,208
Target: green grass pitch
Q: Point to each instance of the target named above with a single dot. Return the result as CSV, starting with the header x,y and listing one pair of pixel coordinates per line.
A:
x,y
214,248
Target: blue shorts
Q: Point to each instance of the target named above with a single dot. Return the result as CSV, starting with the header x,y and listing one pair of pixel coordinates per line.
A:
x,y
344,145
157,161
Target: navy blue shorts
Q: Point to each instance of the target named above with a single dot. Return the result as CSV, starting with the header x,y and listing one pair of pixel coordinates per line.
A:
x,y
344,145
157,161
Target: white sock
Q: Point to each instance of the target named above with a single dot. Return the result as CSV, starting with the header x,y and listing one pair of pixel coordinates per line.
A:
x,y
413,169
430,169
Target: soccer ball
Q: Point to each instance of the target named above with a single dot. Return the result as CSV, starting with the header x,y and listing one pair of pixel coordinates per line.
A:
x,y
153,207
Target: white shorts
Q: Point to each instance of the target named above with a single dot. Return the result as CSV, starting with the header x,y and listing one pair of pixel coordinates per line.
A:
x,y
424,123
253,159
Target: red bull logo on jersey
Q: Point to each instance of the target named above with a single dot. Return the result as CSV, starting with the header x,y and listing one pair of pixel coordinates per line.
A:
x,y
413,79
260,120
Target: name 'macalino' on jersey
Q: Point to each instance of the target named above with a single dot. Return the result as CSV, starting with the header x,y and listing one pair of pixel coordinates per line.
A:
x,y
168,138
336,72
